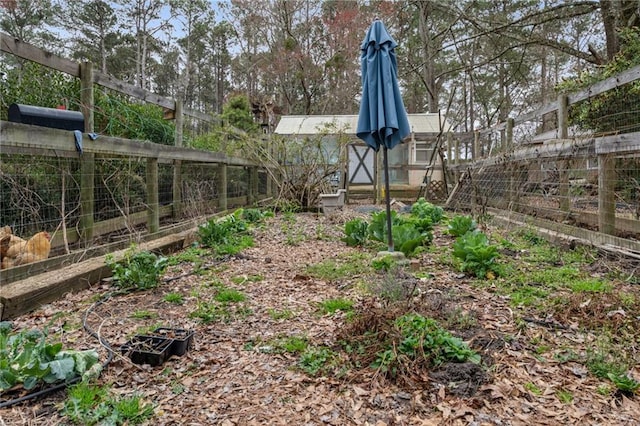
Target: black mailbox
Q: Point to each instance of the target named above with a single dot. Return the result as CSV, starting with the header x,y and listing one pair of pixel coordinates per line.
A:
x,y
47,117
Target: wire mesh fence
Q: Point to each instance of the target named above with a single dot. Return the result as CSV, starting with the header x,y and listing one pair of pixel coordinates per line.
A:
x,y
586,175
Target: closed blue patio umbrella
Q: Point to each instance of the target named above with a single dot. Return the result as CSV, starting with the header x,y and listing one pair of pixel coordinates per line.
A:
x,y
382,121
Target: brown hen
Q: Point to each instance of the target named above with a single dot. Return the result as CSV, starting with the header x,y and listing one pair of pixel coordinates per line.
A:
x,y
16,251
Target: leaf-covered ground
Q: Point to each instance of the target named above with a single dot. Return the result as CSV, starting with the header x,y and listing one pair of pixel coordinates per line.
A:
x,y
238,372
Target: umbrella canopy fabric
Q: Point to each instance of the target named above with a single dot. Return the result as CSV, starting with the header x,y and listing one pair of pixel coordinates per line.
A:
x,y
382,120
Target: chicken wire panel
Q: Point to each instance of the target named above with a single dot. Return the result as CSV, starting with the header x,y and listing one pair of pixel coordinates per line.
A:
x,y
615,111
37,192
237,182
627,189
564,189
200,189
120,187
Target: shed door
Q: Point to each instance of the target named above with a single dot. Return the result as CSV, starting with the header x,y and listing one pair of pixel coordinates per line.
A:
x,y
361,164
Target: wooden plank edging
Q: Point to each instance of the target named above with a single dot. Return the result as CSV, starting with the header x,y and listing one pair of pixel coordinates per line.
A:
x,y
26,295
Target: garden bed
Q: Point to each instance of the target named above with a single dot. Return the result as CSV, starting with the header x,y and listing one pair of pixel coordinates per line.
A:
x,y
281,334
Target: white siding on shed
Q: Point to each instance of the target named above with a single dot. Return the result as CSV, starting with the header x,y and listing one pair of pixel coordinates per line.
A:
x,y
316,124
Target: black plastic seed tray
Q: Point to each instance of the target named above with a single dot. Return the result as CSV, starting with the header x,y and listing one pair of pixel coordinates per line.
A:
x,y
182,339
152,350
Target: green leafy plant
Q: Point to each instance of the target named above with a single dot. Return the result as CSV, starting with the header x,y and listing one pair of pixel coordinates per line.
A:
x,y
229,295
175,298
356,231
315,359
280,314
378,225
384,263
610,368
139,270
424,209
255,215
422,338
477,255
408,233
92,405
227,235
27,359
460,225
330,306
407,238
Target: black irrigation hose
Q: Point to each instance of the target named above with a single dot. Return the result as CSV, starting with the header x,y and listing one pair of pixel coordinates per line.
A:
x,y
50,390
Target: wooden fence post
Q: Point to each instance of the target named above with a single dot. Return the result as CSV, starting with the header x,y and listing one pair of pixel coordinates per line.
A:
x,y
253,186
476,145
606,194
222,187
509,135
177,164
563,117
564,186
153,206
87,160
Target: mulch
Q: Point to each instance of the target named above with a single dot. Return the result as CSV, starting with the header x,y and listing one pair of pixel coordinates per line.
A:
x,y
231,377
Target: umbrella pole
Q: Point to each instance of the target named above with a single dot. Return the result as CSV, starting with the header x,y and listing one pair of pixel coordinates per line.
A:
x,y
387,198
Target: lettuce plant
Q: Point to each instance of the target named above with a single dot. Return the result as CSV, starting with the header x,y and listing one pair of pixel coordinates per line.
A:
x,y
477,255
27,360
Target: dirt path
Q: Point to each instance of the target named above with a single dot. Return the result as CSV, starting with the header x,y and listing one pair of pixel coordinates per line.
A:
x,y
234,375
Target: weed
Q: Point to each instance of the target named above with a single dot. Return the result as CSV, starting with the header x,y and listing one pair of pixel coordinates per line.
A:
x,y
526,295
316,359
144,314
220,308
177,388
90,405
564,396
384,263
247,278
280,314
459,319
227,235
590,286
330,306
190,255
321,235
612,368
333,270
292,344
175,298
137,270
229,295
604,390
391,287
533,388
209,312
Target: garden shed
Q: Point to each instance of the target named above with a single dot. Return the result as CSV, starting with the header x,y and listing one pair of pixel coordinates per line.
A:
x,y
408,163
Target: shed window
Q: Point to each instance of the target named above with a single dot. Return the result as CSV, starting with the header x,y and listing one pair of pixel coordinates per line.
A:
x,y
421,153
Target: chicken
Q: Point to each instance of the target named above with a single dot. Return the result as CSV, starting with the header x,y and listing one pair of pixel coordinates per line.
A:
x,y
7,239
20,252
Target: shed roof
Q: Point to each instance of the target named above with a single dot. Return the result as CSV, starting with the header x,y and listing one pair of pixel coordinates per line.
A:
x,y
316,124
